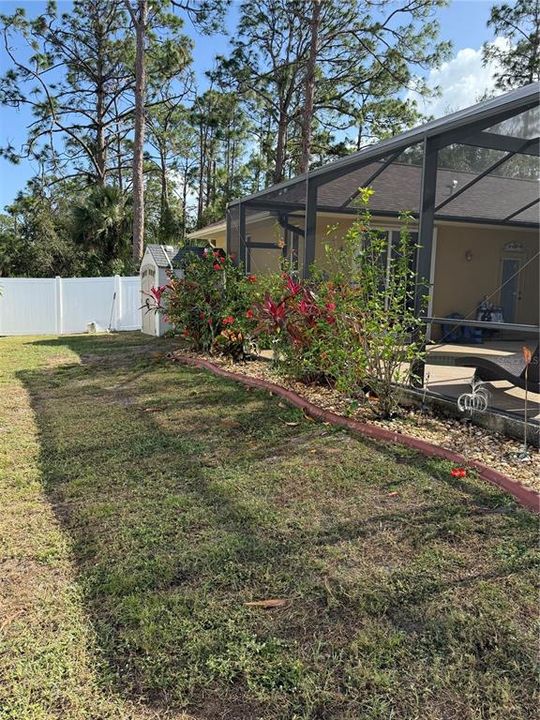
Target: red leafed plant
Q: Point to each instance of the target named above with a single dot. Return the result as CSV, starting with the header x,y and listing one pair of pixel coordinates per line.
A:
x,y
295,322
154,297
276,312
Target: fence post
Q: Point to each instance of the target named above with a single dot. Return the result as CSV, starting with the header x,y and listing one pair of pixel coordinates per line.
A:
x,y
118,302
59,305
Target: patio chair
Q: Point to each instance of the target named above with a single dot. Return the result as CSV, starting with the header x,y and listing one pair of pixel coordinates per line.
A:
x,y
511,368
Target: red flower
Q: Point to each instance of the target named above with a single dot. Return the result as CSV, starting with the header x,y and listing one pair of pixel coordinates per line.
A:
x,y
229,320
458,472
250,314
330,306
252,278
217,265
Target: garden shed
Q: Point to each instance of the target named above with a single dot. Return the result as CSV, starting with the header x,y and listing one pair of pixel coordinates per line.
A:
x,y
158,264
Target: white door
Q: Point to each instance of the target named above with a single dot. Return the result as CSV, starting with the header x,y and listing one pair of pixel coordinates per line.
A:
x,y
148,281
510,295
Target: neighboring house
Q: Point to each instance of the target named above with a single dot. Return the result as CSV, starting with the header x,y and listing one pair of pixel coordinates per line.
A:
x,y
478,231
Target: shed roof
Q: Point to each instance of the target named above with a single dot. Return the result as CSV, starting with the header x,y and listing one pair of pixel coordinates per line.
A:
x,y
163,255
166,256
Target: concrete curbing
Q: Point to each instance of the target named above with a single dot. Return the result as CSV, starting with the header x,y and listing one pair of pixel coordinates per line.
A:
x,y
526,497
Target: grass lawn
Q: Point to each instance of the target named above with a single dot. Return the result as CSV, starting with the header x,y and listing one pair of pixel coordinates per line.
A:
x,y
143,504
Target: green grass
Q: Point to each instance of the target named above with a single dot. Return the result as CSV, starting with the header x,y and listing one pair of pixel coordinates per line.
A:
x,y
143,504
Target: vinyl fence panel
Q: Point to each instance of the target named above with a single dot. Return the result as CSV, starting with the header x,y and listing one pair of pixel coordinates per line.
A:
x,y
50,306
128,308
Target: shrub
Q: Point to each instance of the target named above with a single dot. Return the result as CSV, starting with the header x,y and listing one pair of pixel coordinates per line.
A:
x,y
299,322
352,324
378,326
208,305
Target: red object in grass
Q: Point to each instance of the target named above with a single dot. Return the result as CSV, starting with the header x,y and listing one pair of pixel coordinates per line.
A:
x,y
252,278
250,314
229,320
458,472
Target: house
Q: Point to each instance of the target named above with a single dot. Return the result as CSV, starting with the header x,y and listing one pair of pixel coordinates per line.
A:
x,y
470,181
158,263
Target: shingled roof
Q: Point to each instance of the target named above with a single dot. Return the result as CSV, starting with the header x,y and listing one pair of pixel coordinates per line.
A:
x,y
166,256
398,188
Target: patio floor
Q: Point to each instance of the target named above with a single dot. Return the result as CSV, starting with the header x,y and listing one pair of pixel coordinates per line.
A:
x,y
444,376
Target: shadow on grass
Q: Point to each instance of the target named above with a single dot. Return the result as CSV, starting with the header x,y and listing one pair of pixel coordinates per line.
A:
x,y
186,496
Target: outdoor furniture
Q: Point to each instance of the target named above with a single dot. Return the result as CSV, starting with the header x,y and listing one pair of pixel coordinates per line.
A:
x,y
511,368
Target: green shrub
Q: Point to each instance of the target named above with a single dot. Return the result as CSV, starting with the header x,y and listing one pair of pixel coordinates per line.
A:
x,y
208,305
352,325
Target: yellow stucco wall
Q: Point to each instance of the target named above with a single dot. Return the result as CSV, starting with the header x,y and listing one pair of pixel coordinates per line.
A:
x,y
460,284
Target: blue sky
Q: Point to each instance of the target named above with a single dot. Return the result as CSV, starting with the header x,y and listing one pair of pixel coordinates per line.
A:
x,y
463,79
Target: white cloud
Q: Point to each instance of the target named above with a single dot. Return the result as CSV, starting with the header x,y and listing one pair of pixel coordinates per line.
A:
x,y
463,81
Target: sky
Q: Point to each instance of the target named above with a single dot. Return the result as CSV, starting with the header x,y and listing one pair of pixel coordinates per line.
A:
x,y
462,79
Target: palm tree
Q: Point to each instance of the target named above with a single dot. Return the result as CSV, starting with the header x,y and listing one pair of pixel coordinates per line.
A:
x,y
101,224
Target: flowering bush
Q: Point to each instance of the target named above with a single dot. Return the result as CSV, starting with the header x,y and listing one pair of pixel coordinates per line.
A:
x,y
352,325
208,305
383,323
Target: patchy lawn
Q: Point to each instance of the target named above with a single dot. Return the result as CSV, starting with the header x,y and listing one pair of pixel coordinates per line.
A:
x,y
143,504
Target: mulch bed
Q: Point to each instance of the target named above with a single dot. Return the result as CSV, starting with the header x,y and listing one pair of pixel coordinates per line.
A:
x,y
494,457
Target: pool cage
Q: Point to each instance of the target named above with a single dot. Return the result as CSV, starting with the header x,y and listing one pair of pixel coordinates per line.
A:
x,y
476,167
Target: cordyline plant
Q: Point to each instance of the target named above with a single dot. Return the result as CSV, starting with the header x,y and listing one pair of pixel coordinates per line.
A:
x,y
297,322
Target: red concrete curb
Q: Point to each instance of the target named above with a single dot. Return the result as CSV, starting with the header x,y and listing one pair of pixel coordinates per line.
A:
x,y
525,496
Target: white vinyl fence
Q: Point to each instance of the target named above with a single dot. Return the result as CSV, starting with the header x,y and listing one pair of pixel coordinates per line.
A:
x,y
52,306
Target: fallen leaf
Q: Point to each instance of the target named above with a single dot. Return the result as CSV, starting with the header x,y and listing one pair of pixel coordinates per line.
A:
x,y
267,604
392,494
290,424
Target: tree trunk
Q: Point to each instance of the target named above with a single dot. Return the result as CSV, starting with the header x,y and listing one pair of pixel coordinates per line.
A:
x,y
138,148
101,152
309,87
202,160
164,214
184,202
280,147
